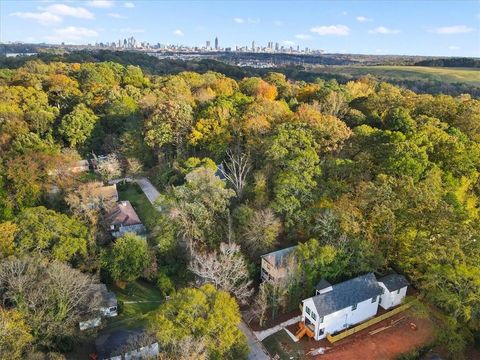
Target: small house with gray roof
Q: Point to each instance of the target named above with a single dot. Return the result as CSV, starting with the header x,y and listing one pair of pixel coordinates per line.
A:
x,y
340,306
394,290
275,264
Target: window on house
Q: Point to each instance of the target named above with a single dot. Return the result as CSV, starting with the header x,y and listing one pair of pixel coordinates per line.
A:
x,y
398,291
307,309
374,299
354,307
380,300
314,316
321,320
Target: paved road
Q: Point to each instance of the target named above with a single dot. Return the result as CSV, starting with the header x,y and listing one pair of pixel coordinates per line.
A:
x,y
150,191
257,351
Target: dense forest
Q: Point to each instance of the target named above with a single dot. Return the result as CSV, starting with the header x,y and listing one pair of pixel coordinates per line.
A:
x,y
365,176
155,66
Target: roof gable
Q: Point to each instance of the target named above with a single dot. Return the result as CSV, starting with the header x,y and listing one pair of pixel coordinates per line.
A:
x,y
278,258
123,214
394,282
346,294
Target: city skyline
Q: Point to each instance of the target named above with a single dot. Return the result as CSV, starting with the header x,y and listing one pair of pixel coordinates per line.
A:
x,y
447,28
271,47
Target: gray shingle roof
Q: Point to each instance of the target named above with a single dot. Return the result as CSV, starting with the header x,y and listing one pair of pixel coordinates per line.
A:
x,y
394,282
109,344
347,293
322,284
277,258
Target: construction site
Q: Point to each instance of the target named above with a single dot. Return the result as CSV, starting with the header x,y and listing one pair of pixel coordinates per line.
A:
x,y
385,338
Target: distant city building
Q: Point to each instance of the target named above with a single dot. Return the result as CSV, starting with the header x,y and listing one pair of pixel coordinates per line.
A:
x,y
130,43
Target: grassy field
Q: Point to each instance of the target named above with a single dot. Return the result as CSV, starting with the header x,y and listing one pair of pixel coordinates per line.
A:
x,y
138,300
447,75
146,212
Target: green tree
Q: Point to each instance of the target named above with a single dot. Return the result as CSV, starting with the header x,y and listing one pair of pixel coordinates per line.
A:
x,y
128,258
15,335
8,231
293,151
202,313
399,119
77,126
48,232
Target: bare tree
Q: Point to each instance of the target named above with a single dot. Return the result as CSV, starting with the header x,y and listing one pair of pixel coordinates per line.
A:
x,y
236,170
134,166
87,200
226,269
51,295
109,167
188,348
261,232
258,311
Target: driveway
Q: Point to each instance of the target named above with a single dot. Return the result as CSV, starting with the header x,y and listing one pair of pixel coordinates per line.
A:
x,y
257,351
150,191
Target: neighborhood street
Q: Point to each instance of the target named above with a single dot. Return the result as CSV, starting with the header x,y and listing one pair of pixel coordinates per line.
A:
x,y
257,351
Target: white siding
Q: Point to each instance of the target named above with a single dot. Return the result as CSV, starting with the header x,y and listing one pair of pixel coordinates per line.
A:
x,y
391,299
342,319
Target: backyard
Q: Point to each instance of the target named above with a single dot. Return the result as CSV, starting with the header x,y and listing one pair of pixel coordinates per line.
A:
x,y
136,301
382,341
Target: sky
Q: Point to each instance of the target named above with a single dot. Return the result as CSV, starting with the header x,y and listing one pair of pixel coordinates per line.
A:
x,y
403,27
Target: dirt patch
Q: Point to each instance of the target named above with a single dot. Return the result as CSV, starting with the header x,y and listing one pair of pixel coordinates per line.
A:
x,y
271,323
386,344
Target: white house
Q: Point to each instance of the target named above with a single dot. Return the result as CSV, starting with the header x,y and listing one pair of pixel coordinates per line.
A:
x,y
394,290
337,307
275,264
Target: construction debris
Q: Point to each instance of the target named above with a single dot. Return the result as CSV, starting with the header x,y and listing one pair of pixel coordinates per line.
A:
x,y
319,351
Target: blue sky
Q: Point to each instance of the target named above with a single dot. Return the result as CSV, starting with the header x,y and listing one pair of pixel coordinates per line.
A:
x,y
372,27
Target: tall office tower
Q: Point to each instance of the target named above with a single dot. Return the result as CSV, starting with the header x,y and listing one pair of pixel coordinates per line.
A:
x,y
253,45
216,43
298,47
207,44
277,47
